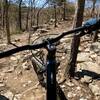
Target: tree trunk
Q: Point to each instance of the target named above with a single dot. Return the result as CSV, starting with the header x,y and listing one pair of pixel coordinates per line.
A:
x,y
27,16
7,22
76,40
93,8
1,11
27,19
32,14
95,35
20,15
3,14
55,15
64,11
33,21
37,19
38,13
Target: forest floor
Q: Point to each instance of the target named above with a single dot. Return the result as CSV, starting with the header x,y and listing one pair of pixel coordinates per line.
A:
x,y
18,80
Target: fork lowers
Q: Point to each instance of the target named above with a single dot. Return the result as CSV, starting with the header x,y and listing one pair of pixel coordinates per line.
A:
x,y
51,73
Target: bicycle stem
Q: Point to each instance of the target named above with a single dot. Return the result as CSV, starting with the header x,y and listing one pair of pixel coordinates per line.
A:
x,y
51,73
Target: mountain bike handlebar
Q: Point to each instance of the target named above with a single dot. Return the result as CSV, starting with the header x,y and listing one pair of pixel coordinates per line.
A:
x,y
85,29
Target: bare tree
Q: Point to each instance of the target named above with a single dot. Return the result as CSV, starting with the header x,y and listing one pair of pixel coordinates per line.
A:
x,y
61,3
27,16
40,11
3,14
7,21
95,35
64,10
20,15
93,8
33,10
55,14
70,69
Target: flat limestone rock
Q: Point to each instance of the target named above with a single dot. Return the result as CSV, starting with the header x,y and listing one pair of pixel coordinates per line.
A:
x,y
89,67
83,57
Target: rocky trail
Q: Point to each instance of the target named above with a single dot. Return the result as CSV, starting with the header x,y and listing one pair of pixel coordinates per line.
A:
x,y
18,80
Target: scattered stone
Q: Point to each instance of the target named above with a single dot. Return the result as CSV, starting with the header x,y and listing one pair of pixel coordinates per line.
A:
x,y
29,82
95,47
35,52
98,60
93,56
3,44
9,95
13,58
25,66
10,70
81,48
87,50
19,73
39,97
71,94
24,85
82,98
65,40
79,67
78,88
86,79
17,40
42,30
69,83
18,56
52,20
95,89
62,57
17,97
2,84
63,86
34,28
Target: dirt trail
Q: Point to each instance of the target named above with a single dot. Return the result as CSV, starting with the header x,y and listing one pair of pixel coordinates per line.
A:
x,y
18,81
